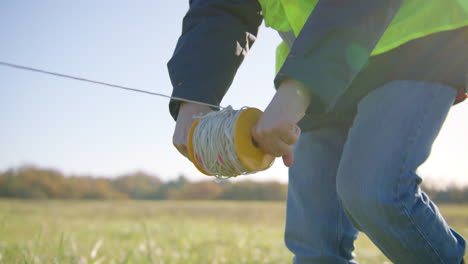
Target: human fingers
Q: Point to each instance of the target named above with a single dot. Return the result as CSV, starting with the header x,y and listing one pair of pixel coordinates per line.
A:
x,y
184,123
279,148
275,146
289,133
288,159
269,140
179,141
182,149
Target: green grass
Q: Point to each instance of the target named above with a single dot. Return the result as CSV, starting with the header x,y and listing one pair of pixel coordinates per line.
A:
x,y
212,232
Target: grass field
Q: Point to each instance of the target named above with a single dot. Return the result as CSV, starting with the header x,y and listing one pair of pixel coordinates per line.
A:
x,y
169,232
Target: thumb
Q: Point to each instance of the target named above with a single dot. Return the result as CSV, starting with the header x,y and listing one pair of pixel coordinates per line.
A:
x,y
288,159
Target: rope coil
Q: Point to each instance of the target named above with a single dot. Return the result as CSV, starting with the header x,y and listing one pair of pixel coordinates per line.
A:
x,y
220,143
214,146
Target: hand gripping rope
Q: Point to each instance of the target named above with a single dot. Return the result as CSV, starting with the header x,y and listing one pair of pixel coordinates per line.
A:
x,y
219,143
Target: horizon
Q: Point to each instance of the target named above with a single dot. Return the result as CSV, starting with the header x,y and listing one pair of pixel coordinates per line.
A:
x,y
428,182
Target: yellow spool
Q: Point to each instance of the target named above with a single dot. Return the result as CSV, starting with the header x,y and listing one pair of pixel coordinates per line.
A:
x,y
251,157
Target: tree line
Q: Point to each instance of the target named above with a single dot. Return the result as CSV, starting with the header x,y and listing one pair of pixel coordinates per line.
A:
x,y
36,183
30,182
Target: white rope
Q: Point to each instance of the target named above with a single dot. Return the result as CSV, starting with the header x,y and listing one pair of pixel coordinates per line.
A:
x,y
213,140
213,144
27,68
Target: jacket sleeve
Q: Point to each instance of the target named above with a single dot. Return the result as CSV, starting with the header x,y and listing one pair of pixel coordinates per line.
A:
x,y
334,45
216,36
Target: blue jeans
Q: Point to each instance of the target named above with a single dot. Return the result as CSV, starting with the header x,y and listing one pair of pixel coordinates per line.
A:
x,y
363,177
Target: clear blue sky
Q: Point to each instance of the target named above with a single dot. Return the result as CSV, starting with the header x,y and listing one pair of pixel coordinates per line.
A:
x,y
81,128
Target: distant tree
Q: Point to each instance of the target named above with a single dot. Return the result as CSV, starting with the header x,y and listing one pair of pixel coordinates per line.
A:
x,y
12,186
32,183
170,189
90,188
204,190
451,194
178,183
138,185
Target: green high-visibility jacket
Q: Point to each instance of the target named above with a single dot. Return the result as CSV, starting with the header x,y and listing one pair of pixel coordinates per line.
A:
x,y
330,49
415,19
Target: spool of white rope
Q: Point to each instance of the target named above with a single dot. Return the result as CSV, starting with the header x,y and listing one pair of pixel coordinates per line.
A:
x,y
220,143
213,144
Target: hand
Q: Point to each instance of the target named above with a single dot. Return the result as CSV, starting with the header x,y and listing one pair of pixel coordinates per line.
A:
x,y
184,122
277,130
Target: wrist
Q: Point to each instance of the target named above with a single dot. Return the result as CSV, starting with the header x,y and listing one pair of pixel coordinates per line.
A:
x,y
297,89
294,97
188,109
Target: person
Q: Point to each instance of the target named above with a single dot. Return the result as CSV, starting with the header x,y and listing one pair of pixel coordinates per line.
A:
x,y
375,80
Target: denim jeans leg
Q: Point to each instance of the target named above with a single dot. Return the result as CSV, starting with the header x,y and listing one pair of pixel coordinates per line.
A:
x,y
317,229
377,180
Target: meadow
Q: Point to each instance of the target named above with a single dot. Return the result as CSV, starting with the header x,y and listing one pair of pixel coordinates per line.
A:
x,y
162,232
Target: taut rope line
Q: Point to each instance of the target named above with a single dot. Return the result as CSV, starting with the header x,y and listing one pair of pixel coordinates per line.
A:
x,y
219,143
16,66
